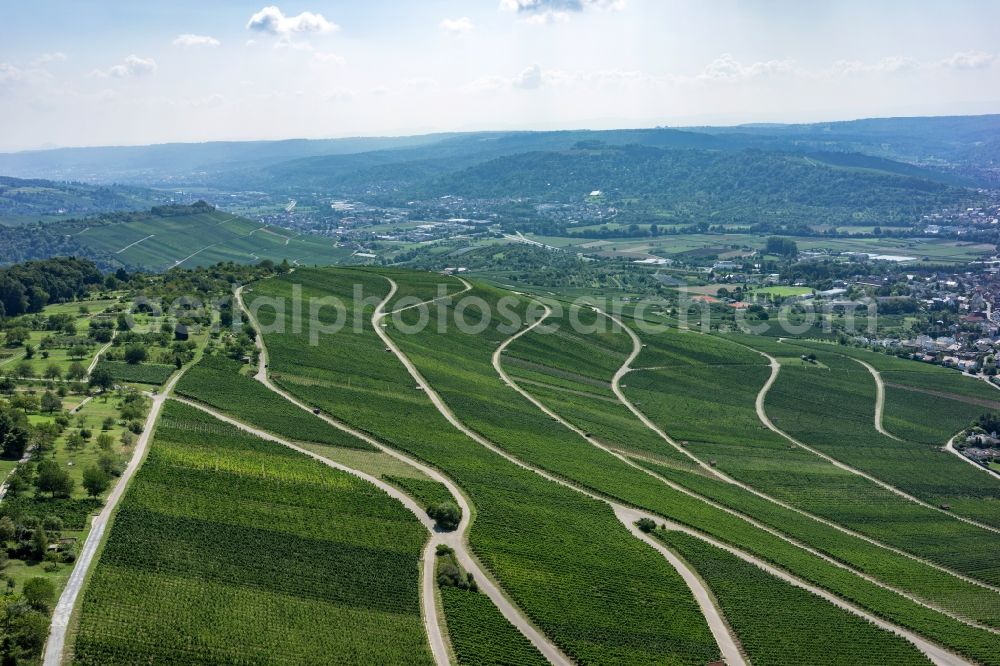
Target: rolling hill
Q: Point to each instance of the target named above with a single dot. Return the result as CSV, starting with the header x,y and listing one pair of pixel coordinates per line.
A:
x,y
23,201
965,147
742,187
167,237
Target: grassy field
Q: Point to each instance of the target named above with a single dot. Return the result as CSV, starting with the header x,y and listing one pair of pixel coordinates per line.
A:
x,y
784,291
933,250
266,557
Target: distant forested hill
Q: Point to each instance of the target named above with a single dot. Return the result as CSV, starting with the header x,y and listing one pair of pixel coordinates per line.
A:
x,y
966,147
715,186
33,200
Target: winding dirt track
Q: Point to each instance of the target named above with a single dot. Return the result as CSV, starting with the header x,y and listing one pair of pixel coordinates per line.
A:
x,y
879,399
67,600
616,387
435,634
762,415
629,515
457,540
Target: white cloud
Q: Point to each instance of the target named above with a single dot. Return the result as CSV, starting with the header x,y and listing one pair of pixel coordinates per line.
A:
x,y
46,58
273,21
459,26
132,67
339,95
728,68
208,101
547,11
969,60
897,64
329,58
890,65
529,79
421,84
188,40
10,73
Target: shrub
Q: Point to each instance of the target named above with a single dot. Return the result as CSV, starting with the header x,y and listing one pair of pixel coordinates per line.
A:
x,y
447,515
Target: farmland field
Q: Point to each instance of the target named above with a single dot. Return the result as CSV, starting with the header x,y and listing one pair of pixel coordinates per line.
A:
x,y
203,239
563,558
144,373
743,448
267,557
778,623
536,439
526,528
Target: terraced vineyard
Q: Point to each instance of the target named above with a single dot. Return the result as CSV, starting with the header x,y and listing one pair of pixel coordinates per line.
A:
x,y
231,549
596,607
782,624
559,448
202,237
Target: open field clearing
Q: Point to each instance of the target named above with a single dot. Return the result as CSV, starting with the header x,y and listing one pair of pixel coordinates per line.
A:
x,y
935,250
267,556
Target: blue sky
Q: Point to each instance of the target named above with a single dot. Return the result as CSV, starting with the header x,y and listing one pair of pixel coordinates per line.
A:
x,y
83,72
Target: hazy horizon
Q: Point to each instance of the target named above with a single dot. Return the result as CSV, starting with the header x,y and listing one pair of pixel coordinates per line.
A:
x,y
75,74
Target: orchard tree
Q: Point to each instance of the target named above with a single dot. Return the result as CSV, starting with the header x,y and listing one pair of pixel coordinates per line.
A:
x,y
95,480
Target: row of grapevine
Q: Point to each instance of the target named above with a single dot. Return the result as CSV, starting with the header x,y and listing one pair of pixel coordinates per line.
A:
x,y
565,559
230,549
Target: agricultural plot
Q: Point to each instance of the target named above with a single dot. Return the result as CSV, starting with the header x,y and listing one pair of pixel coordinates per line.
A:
x,y
203,239
426,492
138,373
416,287
481,636
778,623
495,412
605,597
266,557
924,403
834,411
688,404
513,519
692,408
217,382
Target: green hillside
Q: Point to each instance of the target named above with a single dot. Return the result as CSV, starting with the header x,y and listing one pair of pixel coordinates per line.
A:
x,y
651,184
167,237
26,201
